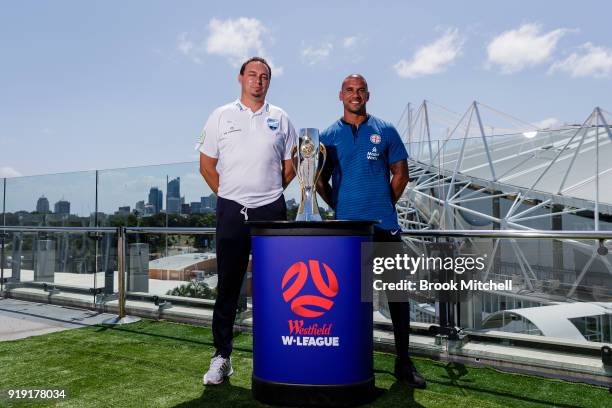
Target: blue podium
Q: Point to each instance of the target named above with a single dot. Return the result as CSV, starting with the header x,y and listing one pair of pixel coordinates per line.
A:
x,y
312,334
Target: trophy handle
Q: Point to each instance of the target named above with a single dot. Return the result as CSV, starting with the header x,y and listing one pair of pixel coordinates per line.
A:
x,y
323,151
293,158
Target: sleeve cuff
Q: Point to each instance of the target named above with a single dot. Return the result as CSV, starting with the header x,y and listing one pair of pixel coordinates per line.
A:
x,y
201,149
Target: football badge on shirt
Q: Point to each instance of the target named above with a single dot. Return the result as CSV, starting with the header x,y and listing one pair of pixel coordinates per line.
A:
x,y
272,123
375,138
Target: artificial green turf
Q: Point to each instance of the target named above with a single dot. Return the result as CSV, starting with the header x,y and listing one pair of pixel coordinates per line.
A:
x,y
160,364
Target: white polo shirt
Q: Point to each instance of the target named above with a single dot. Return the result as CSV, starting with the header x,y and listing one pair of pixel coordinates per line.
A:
x,y
249,147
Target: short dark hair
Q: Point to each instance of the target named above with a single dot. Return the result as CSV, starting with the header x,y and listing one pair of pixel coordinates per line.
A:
x,y
256,59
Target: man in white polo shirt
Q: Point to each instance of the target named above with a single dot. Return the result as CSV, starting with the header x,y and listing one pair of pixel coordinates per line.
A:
x,y
245,158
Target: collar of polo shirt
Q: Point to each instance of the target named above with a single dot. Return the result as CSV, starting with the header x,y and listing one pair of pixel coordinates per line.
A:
x,y
264,108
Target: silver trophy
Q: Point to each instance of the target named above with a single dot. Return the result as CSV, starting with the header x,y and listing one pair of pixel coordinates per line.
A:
x,y
308,167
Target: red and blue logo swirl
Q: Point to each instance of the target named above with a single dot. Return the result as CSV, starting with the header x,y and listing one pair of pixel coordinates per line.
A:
x,y
309,305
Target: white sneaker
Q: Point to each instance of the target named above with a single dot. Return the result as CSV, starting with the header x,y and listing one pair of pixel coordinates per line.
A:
x,y
219,369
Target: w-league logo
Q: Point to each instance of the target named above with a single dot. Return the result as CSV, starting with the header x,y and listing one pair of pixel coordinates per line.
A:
x,y
309,305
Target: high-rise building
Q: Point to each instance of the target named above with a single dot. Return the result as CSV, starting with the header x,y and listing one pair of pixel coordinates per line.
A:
x,y
185,209
209,203
62,207
174,187
173,205
123,210
156,199
195,207
42,205
173,198
140,207
292,203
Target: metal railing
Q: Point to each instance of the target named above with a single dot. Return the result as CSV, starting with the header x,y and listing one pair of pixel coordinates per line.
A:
x,y
122,233
170,230
512,234
93,233
122,236
507,233
58,229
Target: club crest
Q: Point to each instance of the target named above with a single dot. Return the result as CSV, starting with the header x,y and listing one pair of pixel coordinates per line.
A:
x,y
272,123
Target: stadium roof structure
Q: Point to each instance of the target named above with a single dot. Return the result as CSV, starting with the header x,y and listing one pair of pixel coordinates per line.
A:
x,y
568,166
468,174
554,320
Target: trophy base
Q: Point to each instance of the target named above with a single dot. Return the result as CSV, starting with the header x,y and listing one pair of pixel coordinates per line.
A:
x,y
308,217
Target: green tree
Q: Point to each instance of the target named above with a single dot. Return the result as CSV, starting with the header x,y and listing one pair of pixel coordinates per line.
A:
x,y
194,289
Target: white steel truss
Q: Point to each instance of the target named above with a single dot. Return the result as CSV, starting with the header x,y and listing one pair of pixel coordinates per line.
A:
x,y
476,175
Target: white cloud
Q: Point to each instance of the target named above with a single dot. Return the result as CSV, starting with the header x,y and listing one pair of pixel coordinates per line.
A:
x,y
185,45
593,61
349,42
515,50
189,48
547,123
9,172
432,58
235,39
314,55
347,48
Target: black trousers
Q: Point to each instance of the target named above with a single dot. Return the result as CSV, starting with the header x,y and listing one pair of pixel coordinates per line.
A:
x,y
400,311
233,241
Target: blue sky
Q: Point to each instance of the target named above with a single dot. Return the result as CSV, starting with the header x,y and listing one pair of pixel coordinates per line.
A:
x,y
98,85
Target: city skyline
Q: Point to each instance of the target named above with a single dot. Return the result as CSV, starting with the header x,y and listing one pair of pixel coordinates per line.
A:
x,y
116,188
205,204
